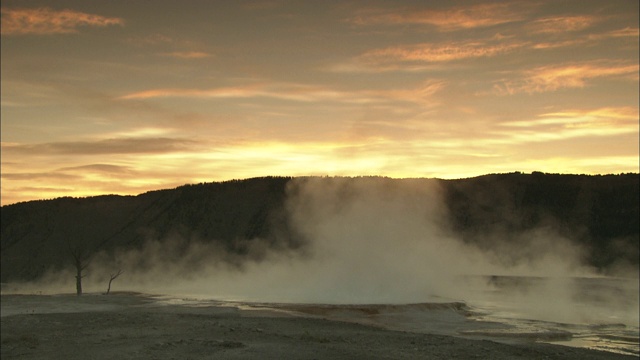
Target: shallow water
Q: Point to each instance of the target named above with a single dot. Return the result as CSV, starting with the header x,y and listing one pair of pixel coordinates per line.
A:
x,y
596,313
599,313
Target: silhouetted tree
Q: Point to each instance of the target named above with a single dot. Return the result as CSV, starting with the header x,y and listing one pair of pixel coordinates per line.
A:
x,y
81,260
111,278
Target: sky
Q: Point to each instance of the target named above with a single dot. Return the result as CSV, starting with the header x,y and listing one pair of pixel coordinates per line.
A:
x,y
124,97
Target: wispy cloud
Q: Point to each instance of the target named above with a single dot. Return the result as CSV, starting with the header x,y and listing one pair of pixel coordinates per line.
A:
x,y
626,32
262,4
430,56
73,173
589,39
357,66
437,52
188,54
104,147
448,19
559,44
559,31
295,92
562,24
422,92
42,21
552,78
30,176
620,118
568,124
153,39
426,56
278,91
100,168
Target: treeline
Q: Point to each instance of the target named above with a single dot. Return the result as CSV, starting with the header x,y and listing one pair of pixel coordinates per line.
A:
x,y
600,212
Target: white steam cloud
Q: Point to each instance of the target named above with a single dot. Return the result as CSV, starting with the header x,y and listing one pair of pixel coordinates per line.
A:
x,y
367,240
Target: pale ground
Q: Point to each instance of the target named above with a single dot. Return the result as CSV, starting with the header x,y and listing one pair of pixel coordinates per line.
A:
x,y
133,326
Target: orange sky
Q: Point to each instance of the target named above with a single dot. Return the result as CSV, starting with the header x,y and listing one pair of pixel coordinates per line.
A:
x,y
122,97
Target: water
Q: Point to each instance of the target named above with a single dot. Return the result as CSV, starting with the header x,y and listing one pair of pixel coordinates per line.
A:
x,y
599,313
595,313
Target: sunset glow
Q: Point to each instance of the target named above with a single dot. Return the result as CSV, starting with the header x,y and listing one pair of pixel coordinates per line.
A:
x,y
120,97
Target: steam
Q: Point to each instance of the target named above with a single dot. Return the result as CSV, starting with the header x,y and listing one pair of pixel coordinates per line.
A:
x,y
366,240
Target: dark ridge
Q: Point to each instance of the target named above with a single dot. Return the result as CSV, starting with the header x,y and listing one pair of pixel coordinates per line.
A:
x,y
600,212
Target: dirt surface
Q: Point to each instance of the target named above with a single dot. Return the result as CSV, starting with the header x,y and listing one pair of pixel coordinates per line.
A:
x,y
132,326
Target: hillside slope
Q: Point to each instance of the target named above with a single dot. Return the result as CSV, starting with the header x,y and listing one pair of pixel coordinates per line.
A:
x,y
600,212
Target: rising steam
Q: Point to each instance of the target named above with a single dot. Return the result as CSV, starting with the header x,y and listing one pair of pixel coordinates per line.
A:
x,y
366,240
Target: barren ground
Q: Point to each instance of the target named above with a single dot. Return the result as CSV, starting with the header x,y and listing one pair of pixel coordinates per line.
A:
x,y
133,326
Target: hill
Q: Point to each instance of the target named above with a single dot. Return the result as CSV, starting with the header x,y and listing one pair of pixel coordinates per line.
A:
x,y
600,213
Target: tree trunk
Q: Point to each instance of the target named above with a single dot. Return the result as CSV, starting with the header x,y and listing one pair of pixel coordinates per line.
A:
x,y
79,282
112,278
81,260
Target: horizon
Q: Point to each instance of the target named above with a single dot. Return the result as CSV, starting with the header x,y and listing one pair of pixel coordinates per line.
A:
x,y
314,176
116,97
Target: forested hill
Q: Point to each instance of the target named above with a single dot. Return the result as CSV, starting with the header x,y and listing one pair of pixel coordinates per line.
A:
x,y
601,212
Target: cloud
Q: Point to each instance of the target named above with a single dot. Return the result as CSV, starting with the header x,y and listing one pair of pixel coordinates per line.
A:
x,y
433,56
626,32
563,28
357,65
41,177
71,172
412,147
562,24
246,91
569,124
42,21
31,176
450,19
424,91
104,147
188,54
99,168
262,5
436,52
153,39
619,117
294,92
27,193
560,44
552,78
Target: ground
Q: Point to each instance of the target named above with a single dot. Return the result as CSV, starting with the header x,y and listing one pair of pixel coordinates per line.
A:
x,y
133,326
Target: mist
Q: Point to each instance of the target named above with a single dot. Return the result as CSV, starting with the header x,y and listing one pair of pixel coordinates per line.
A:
x,y
368,241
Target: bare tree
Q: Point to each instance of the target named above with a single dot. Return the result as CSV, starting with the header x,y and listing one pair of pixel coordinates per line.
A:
x,y
113,277
80,260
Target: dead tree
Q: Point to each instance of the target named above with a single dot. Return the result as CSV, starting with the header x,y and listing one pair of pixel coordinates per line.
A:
x,y
111,278
81,261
